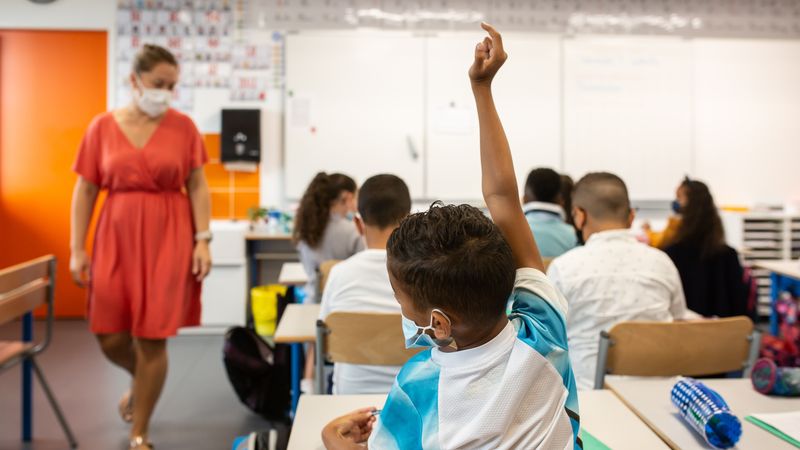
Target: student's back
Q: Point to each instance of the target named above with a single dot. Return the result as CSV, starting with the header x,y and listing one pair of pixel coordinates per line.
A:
x,y
361,283
613,278
710,270
323,230
714,285
545,214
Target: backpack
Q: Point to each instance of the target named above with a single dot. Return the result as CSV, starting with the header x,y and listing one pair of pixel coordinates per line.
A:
x,y
784,349
259,372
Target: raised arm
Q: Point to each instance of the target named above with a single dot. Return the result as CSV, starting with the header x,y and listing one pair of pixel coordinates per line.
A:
x,y
498,177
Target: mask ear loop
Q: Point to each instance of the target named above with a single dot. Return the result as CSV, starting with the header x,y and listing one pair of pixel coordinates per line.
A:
x,y
448,341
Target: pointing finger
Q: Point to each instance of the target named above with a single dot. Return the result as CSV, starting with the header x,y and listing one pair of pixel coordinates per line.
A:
x,y
497,40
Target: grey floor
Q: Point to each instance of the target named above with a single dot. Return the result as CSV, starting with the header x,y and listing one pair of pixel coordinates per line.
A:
x,y
198,409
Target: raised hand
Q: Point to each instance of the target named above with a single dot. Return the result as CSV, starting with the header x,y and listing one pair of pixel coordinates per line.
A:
x,y
489,57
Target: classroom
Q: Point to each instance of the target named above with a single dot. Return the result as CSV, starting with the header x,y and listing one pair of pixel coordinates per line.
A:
x,y
386,224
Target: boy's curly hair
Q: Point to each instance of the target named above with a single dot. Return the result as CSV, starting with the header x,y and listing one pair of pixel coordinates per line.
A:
x,y
455,258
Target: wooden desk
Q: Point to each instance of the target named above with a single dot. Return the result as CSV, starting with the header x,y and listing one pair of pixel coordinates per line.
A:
x,y
602,414
298,324
612,423
787,268
785,277
293,274
650,400
315,411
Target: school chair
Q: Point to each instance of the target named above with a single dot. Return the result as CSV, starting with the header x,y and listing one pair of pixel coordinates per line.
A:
x,y
23,288
325,270
689,348
371,339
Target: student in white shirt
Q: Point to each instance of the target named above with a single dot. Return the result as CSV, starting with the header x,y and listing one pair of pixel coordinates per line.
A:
x,y
490,380
613,278
361,283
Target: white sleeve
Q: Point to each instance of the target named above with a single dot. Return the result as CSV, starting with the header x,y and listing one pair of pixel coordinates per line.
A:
x,y
537,282
329,294
677,305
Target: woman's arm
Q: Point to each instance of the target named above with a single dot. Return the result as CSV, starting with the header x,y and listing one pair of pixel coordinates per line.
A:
x,y
197,188
84,196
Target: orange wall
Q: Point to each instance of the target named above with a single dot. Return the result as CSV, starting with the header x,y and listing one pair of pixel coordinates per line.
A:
x,y
51,85
232,193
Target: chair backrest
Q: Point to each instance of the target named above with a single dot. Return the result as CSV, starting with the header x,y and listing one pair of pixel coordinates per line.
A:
x,y
324,271
365,338
26,286
691,348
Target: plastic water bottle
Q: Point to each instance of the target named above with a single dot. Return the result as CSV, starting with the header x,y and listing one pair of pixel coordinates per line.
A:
x,y
707,413
770,379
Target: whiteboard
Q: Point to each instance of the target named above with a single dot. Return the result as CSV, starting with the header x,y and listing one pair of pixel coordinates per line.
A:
x,y
628,110
747,107
527,96
353,105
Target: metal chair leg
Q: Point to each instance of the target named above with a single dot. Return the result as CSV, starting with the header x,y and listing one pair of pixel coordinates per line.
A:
x,y
56,409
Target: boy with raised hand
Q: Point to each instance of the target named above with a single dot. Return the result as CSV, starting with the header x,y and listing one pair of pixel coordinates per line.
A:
x,y
490,380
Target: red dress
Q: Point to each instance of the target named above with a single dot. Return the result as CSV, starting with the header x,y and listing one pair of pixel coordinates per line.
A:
x,y
141,279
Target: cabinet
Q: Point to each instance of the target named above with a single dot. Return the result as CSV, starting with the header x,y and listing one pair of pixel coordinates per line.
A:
x,y
224,297
763,236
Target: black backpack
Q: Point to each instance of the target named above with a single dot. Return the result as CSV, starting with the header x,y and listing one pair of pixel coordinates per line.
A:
x,y
259,372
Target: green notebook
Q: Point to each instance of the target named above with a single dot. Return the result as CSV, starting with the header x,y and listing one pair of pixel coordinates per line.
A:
x,y
592,443
773,430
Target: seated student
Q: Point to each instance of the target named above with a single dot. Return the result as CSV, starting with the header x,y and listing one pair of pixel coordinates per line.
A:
x,y
322,229
361,283
612,278
490,380
545,214
710,271
661,239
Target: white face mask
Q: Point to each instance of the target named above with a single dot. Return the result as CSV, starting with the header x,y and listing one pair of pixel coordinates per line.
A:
x,y
416,335
153,102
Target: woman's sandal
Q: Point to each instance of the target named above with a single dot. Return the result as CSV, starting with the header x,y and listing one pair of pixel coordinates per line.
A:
x,y
138,443
126,407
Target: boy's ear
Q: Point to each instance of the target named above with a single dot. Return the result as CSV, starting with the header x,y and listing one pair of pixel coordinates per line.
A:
x,y
578,217
359,224
442,329
631,216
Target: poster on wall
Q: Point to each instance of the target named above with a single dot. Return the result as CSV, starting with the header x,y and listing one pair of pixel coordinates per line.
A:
x,y
222,66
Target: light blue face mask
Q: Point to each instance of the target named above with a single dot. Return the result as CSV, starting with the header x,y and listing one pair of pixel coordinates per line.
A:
x,y
416,337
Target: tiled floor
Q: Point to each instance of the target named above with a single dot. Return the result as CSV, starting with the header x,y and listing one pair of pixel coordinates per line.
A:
x,y
198,409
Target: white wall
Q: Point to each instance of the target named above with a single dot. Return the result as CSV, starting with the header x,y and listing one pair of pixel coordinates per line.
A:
x,y
98,15
61,14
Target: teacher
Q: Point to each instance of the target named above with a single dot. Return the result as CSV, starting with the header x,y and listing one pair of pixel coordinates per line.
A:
x,y
151,241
